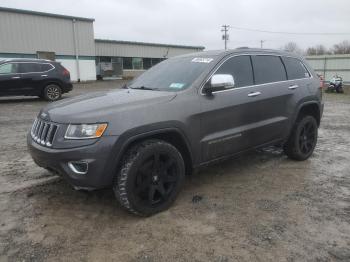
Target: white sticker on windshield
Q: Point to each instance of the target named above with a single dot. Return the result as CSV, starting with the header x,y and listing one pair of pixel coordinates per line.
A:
x,y
202,60
177,85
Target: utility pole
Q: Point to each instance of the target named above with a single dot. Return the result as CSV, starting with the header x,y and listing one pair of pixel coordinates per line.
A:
x,y
261,43
225,36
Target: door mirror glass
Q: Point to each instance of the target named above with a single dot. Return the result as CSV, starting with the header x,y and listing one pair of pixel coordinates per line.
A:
x,y
219,82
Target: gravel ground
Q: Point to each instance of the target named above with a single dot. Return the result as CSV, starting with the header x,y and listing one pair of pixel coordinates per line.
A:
x,y
259,207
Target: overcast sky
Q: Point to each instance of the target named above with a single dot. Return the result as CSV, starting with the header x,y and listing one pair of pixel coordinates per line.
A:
x,y
198,22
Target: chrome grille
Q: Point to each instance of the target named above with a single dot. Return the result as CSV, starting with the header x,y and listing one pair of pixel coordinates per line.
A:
x,y
43,132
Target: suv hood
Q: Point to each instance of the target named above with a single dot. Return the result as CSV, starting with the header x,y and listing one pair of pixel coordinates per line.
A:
x,y
103,106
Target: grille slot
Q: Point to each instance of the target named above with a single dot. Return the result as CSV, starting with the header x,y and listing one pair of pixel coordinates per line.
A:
x,y
43,132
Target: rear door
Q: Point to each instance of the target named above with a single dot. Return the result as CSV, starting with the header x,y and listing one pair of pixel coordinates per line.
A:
x,y
33,77
10,80
299,77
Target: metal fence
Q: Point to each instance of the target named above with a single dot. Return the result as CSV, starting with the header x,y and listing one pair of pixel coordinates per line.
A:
x,y
330,65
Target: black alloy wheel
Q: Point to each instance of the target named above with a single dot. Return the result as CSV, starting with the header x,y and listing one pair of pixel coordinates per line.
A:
x,y
150,177
303,138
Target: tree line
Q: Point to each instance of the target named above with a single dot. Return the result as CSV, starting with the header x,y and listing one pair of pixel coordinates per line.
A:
x,y
340,48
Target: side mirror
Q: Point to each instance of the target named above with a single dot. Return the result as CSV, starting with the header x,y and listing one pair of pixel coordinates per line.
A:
x,y
219,82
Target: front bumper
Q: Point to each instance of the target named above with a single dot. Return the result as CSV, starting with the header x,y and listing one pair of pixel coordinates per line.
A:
x,y
99,156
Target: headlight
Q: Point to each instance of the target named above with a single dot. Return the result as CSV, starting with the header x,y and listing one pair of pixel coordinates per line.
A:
x,y
85,131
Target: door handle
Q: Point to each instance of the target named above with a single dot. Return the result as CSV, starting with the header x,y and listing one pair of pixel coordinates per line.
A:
x,y
254,94
44,75
293,87
16,77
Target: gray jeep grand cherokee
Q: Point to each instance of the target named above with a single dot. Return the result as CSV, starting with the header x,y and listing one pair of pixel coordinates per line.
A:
x,y
181,114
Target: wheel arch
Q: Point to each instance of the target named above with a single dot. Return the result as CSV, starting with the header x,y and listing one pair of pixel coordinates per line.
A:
x,y
173,136
309,108
51,82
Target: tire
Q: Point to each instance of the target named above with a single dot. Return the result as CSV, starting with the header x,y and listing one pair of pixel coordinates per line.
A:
x,y
303,138
52,92
150,177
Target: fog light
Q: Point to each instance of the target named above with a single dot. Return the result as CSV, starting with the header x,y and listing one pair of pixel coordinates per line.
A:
x,y
78,167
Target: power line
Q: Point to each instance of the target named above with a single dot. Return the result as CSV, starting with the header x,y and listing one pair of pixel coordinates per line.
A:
x,y
284,33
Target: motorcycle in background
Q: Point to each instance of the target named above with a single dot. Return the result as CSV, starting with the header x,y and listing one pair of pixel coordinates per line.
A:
x,y
335,85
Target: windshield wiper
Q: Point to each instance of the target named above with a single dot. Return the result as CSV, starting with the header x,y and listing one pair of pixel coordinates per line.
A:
x,y
144,88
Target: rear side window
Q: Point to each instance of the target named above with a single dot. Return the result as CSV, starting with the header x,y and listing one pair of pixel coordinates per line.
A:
x,y
240,68
29,68
295,68
45,67
10,68
268,69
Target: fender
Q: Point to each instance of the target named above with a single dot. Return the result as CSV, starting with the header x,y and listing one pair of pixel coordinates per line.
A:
x,y
130,136
298,109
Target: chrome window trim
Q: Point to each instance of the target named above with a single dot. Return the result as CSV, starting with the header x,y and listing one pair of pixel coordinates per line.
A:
x,y
41,72
243,87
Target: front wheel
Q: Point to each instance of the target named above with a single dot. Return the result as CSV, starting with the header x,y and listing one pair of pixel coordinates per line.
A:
x,y
52,92
150,177
303,138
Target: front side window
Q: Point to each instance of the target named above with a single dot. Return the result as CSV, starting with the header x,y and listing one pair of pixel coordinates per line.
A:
x,y
240,68
295,68
10,68
268,69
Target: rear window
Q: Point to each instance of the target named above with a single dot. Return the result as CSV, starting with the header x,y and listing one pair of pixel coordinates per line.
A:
x,y
268,69
295,68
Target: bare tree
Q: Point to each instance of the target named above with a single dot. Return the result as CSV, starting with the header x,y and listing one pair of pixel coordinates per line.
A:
x,y
293,48
342,48
317,50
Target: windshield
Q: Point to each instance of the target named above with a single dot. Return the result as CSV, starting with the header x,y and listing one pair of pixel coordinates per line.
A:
x,y
174,74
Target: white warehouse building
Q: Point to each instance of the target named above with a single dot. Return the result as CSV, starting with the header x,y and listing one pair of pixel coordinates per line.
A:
x,y
70,40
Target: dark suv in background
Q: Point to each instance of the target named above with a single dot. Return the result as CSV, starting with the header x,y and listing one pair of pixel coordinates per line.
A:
x,y
34,77
183,113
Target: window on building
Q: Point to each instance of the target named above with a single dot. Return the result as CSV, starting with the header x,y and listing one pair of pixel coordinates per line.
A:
x,y
117,60
155,61
268,69
137,63
240,68
46,55
127,63
105,59
147,63
295,69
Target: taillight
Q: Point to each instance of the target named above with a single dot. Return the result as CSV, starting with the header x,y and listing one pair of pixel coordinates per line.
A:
x,y
65,72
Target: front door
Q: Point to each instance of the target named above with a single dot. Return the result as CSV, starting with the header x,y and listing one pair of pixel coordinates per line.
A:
x,y
10,80
226,114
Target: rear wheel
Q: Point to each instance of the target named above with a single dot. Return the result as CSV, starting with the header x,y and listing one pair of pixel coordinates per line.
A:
x,y
52,92
303,139
150,178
